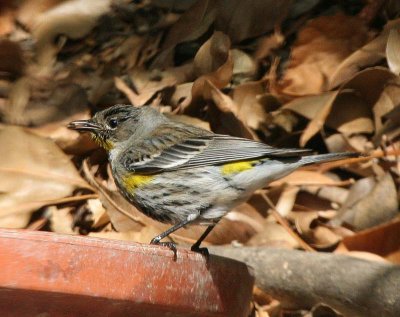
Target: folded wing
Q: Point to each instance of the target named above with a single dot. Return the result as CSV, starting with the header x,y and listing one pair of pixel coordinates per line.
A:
x,y
197,151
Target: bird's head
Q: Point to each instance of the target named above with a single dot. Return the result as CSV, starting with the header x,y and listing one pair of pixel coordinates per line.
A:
x,y
118,123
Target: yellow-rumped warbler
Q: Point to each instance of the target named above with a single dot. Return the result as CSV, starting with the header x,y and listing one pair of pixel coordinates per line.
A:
x,y
181,174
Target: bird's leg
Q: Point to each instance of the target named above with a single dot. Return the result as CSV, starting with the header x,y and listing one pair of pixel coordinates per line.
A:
x,y
196,247
157,240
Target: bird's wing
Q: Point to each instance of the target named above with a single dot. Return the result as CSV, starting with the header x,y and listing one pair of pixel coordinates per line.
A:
x,y
163,153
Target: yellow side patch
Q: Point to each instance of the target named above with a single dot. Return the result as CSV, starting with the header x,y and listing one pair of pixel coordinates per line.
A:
x,y
133,181
237,167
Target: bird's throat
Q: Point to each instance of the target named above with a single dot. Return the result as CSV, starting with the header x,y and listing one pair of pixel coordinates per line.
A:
x,y
105,144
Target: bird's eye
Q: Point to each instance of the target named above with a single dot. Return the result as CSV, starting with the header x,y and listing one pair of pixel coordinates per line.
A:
x,y
113,123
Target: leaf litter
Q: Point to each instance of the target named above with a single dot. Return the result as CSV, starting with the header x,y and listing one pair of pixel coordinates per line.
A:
x,y
314,74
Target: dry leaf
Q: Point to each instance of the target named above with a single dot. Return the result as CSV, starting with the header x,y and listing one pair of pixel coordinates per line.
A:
x,y
303,177
36,101
368,55
73,19
99,214
319,49
365,207
383,240
273,235
218,70
33,172
241,20
254,104
11,58
287,199
223,113
61,220
393,50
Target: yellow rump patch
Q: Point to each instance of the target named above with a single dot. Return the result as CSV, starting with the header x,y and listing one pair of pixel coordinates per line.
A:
x,y
237,167
133,181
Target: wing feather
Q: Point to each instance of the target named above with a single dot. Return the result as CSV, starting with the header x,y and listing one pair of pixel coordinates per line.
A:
x,y
196,151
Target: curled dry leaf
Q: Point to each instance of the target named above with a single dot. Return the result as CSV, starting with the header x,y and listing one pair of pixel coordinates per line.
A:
x,y
383,240
244,67
273,235
365,207
319,49
191,25
148,83
308,224
29,10
223,113
61,220
253,104
286,200
73,19
386,107
392,50
214,63
368,55
260,17
11,59
99,214
33,172
35,101
304,177
325,108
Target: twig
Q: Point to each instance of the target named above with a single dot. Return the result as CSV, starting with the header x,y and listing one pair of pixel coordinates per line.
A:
x,y
282,221
300,279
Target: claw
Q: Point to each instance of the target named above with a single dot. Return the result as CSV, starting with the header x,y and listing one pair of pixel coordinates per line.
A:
x,y
169,245
202,251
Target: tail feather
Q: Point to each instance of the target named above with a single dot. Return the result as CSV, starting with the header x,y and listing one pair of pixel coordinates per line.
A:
x,y
321,158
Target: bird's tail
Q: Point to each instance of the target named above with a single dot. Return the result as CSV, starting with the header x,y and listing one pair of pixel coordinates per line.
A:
x,y
321,158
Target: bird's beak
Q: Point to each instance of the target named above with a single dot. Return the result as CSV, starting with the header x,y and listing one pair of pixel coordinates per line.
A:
x,y
84,126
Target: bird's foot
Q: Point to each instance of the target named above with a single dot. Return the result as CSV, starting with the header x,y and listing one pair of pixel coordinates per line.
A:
x,y
203,251
169,245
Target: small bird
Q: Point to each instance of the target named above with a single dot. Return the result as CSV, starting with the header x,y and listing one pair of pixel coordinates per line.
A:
x,y
181,174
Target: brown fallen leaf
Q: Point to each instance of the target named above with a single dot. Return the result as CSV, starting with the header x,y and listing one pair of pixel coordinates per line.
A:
x,y
350,115
11,59
305,177
253,104
365,207
319,49
383,240
311,228
34,101
273,235
99,214
368,55
61,220
387,102
260,17
191,25
213,62
369,84
33,171
73,19
223,113
227,15
148,83
318,121
392,50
